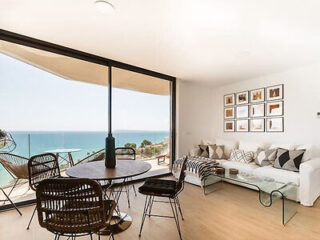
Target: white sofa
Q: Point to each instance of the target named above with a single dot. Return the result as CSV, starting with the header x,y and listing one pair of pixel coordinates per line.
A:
x,y
307,179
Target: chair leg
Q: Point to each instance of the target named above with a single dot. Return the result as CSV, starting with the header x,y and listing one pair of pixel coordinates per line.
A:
x,y
175,215
35,208
12,203
111,236
151,204
127,189
179,206
145,211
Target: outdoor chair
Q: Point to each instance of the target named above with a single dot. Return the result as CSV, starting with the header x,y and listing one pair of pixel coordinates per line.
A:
x,y
17,167
73,208
126,153
164,189
42,167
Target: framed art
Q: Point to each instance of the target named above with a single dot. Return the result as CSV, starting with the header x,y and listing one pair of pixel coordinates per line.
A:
x,y
275,108
229,100
229,113
243,125
275,92
257,95
257,110
242,111
275,124
257,125
242,98
229,126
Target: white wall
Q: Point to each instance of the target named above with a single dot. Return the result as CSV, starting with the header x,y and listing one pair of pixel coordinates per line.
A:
x,y
301,104
194,116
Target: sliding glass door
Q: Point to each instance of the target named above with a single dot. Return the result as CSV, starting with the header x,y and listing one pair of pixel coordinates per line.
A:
x,y
58,103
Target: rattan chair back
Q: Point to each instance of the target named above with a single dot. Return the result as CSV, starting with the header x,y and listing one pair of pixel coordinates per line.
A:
x,y
15,165
72,206
41,167
182,174
125,153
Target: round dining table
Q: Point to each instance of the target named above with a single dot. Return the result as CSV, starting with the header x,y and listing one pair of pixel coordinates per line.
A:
x,y
97,171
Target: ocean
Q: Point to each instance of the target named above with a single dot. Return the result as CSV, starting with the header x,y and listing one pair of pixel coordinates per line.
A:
x,y
88,142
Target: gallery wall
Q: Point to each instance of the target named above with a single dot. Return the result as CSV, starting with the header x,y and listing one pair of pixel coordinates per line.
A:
x,y
302,102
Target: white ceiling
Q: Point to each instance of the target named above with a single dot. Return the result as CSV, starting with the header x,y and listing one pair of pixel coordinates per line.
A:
x,y
216,42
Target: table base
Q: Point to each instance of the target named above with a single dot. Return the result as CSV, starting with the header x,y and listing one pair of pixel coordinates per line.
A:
x,y
123,222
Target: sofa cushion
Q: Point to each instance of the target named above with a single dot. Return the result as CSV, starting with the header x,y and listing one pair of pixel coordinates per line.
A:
x,y
229,145
288,146
278,175
242,167
308,151
216,152
195,151
288,160
204,151
265,157
241,156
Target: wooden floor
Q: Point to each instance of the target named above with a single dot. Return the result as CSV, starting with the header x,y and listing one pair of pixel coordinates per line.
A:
x,y
232,212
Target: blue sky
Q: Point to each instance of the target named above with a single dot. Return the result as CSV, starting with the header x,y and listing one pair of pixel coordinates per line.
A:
x,y
35,100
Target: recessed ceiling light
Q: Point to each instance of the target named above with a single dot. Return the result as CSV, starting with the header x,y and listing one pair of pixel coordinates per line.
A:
x,y
103,6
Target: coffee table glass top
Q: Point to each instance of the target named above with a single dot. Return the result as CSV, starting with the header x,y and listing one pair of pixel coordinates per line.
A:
x,y
263,184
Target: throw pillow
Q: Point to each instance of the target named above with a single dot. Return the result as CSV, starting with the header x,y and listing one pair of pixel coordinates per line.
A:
x,y
216,152
265,157
195,152
289,160
241,156
204,151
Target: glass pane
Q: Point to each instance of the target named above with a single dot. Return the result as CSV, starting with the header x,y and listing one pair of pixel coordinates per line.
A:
x,y
51,103
141,116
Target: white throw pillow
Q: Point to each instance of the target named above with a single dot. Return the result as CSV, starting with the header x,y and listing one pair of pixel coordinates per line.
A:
x,y
241,156
229,145
308,151
287,146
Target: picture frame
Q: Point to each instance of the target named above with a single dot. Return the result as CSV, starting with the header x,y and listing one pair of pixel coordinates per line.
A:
x,y
257,110
275,124
229,113
242,111
229,126
257,95
243,125
275,108
274,92
257,125
242,97
229,100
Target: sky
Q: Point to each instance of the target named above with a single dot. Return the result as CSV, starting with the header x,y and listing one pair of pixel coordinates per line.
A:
x,y
34,100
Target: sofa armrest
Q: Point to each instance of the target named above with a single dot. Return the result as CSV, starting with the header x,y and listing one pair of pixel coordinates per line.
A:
x,y
309,181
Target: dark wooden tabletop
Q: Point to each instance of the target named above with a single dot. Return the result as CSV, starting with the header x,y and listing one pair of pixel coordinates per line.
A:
x,y
98,171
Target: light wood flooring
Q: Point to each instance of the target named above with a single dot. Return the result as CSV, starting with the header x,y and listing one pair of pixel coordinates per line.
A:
x,y
231,213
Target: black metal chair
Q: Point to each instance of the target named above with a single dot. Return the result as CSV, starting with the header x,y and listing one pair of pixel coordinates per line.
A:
x,y
73,208
41,167
164,189
126,153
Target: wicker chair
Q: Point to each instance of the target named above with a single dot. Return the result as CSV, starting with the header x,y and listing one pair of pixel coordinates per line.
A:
x,y
164,189
17,167
126,153
73,207
41,167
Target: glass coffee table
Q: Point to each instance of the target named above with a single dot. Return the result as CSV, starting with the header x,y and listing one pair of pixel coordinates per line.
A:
x,y
269,190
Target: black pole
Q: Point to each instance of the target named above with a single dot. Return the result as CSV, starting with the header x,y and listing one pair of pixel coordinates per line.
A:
x,y
110,161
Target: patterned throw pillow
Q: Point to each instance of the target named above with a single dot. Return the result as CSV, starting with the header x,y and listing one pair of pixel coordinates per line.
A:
x,y
265,157
195,152
204,151
241,156
289,160
216,152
